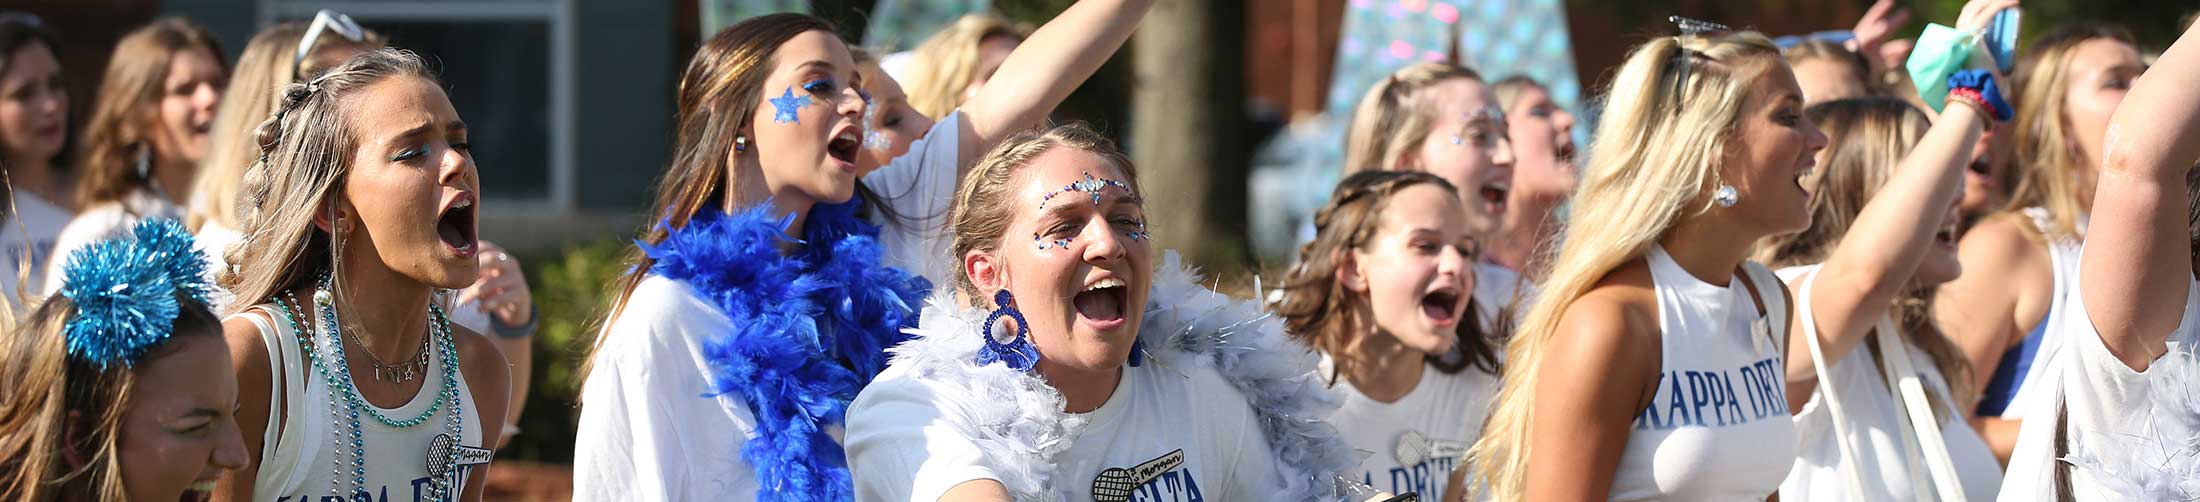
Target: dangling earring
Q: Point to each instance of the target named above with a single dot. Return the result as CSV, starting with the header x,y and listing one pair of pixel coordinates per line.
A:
x,y
1725,196
1017,352
144,163
741,143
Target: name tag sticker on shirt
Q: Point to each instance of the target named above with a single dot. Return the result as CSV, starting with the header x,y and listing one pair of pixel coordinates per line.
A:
x,y
1413,447
1115,484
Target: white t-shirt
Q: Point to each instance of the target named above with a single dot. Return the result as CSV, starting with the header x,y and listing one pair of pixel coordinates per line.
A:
x,y
29,236
105,220
910,438
646,430
1417,441
2111,413
1445,411
1874,423
919,185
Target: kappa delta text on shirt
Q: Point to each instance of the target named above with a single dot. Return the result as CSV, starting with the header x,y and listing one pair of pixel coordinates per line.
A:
x,y
1717,398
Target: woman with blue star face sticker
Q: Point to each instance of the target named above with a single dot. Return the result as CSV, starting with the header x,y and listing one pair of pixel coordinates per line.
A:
x,y
118,384
756,305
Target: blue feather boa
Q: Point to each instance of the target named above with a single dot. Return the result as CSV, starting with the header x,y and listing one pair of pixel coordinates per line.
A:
x,y
811,328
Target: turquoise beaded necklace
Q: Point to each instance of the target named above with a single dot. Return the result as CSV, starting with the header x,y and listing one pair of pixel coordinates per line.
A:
x,y
326,352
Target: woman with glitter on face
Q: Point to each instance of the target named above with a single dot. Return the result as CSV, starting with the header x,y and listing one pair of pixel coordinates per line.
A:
x,y
1067,363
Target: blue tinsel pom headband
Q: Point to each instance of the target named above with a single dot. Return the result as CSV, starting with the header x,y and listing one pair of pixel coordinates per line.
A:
x,y
125,291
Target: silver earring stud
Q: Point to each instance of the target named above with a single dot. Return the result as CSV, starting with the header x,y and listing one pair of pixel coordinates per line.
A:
x,y
740,143
1725,196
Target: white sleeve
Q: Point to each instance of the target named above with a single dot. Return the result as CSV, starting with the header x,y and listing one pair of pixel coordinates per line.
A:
x,y
920,182
918,185
625,448
906,444
647,430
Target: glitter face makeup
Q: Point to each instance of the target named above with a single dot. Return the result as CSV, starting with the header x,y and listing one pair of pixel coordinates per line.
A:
x,y
787,107
1490,121
1090,186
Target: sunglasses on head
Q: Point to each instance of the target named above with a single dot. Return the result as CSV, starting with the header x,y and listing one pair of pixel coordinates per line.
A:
x,y
326,20
22,18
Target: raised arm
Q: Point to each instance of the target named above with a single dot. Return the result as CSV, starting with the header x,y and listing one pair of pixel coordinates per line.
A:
x,y
1876,258
1043,70
2138,252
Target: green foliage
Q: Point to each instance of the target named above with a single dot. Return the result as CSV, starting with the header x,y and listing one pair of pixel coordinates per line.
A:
x,y
571,295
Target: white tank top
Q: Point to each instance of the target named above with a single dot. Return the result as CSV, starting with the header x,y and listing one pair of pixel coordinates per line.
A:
x,y
1891,465
1718,426
2062,255
298,459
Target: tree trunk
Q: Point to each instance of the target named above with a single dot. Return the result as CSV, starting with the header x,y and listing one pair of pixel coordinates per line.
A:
x,y
1188,129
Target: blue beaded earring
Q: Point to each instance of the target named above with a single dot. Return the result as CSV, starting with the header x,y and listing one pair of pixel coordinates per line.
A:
x,y
1017,352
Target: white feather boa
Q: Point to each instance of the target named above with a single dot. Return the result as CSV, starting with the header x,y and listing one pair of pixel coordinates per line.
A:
x,y
2156,455
1186,325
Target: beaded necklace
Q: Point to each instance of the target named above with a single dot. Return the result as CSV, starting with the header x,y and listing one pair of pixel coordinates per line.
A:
x,y
326,352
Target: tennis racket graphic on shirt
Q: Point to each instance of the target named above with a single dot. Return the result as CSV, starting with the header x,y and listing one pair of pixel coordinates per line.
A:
x,y
1412,448
1116,483
442,461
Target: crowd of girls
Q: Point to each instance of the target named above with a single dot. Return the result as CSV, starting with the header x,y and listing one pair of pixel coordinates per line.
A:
x,y
1768,277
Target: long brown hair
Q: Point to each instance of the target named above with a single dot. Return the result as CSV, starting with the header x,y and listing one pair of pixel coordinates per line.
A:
x,y
1318,311
17,33
718,97
1867,138
60,426
2049,164
128,106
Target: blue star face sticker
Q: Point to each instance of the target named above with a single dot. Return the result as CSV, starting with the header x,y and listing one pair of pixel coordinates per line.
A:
x,y
785,108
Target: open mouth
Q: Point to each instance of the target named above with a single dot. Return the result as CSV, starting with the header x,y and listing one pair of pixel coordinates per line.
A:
x,y
1442,307
1103,302
1493,194
198,492
844,145
1565,152
456,225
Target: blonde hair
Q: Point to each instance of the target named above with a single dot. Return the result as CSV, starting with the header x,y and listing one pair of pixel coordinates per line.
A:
x,y
947,63
977,220
1318,311
2050,167
125,112
306,151
1510,89
1868,138
1396,115
1822,50
260,74
1657,155
60,427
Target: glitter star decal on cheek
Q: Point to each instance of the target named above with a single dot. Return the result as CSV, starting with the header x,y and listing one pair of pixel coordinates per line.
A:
x,y
786,107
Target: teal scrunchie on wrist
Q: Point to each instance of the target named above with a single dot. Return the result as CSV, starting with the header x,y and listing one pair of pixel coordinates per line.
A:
x,y
1983,82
